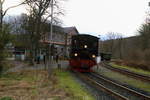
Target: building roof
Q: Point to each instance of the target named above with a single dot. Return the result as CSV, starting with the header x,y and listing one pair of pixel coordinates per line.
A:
x,y
70,29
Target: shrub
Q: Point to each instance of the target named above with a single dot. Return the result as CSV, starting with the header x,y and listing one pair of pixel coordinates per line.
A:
x,y
1,69
147,55
134,56
6,98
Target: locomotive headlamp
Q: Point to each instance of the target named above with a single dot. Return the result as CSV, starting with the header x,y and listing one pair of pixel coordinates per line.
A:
x,y
75,54
85,46
93,56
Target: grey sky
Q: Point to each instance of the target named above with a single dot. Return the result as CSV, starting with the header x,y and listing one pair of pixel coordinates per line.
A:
x,y
98,17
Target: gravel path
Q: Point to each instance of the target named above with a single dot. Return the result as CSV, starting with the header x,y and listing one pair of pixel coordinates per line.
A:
x,y
18,66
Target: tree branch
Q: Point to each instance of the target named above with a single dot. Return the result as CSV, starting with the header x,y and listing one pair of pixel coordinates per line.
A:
x,y
2,2
12,7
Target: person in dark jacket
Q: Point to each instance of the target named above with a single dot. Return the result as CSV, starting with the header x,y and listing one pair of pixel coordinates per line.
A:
x,y
57,57
38,59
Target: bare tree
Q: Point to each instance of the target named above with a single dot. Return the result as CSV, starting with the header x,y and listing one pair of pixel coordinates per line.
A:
x,y
4,29
39,13
3,12
119,37
144,32
111,36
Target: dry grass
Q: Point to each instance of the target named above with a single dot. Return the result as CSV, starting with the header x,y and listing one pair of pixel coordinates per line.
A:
x,y
70,85
30,85
132,69
134,64
35,85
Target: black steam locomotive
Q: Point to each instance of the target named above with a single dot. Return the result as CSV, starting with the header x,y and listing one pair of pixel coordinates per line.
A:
x,y
84,50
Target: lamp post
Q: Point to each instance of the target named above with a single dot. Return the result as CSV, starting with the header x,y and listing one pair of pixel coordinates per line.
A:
x,y
50,41
51,27
149,13
98,58
1,14
99,45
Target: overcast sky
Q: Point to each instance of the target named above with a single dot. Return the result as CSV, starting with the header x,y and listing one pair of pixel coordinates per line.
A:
x,y
97,17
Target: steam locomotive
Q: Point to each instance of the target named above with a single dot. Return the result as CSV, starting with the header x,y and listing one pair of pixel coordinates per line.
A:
x,y
84,50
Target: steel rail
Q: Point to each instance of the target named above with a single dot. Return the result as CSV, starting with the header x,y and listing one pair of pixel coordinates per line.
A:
x,y
128,73
101,87
143,96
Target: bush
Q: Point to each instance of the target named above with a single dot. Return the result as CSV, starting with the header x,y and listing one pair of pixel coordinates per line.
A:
x,y
138,59
2,58
1,70
134,55
4,66
6,98
147,56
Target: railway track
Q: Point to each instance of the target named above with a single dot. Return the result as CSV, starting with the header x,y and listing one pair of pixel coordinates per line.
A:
x,y
114,89
100,87
128,73
122,90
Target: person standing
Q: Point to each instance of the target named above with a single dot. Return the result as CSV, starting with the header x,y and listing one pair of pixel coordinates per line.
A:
x,y
98,61
57,57
38,59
